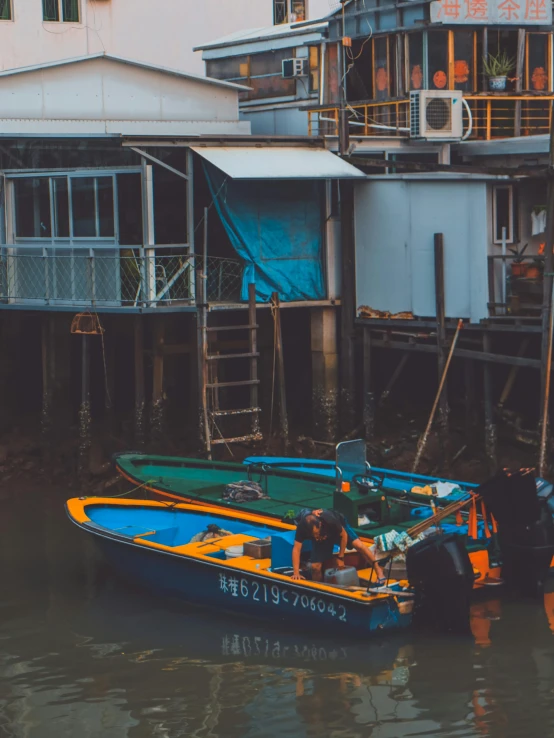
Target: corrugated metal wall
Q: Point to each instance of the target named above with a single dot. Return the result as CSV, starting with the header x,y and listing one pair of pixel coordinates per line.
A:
x,y
395,221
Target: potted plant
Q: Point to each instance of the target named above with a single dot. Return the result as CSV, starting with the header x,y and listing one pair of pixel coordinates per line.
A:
x,y
497,68
519,269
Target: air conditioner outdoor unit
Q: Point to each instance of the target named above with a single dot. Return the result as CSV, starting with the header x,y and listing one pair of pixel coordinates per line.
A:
x,y
436,114
294,68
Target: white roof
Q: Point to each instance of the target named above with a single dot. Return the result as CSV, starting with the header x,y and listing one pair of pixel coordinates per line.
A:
x,y
103,95
267,33
278,162
122,60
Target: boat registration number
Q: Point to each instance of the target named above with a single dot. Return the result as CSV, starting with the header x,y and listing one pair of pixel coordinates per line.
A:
x,y
278,596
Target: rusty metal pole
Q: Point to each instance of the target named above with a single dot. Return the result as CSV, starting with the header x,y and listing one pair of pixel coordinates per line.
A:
x,y
547,306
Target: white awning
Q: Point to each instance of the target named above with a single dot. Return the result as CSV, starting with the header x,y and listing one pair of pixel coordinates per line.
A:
x,y
278,162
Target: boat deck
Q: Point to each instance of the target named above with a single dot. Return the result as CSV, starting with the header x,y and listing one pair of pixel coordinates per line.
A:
x,y
205,483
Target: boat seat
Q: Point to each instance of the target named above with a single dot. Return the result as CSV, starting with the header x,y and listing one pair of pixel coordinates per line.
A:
x,y
249,562
165,536
281,549
133,531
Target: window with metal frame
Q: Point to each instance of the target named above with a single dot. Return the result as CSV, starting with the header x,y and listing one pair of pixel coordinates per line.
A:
x,y
504,213
64,11
65,207
288,11
5,10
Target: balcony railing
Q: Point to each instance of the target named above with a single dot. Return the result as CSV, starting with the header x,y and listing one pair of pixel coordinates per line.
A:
x,y
493,116
112,278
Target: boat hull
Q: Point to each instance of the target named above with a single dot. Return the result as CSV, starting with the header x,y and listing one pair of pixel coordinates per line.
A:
x,y
243,593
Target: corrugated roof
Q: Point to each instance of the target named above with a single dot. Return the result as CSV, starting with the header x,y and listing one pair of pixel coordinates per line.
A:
x,y
261,34
122,60
278,162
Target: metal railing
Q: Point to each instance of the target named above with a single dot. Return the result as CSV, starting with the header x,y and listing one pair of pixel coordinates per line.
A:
x,y
494,116
112,278
507,116
369,119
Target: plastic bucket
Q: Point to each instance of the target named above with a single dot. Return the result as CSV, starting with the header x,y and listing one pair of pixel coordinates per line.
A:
x,y
234,552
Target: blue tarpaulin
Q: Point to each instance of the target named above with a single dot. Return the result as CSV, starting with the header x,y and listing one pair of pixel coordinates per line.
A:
x,y
276,228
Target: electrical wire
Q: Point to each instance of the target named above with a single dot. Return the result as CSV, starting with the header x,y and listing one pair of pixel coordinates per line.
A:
x,y
75,26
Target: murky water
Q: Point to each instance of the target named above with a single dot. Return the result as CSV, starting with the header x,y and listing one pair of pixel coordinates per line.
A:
x,y
84,655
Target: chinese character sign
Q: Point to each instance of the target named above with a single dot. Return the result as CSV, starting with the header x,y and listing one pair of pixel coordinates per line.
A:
x,y
511,12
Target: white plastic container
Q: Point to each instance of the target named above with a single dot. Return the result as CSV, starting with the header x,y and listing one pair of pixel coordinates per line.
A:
x,y
345,577
233,552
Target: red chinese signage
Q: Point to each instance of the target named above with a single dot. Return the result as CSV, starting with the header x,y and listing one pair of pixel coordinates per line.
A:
x,y
514,12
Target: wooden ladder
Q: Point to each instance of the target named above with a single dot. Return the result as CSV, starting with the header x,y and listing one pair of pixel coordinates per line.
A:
x,y
210,361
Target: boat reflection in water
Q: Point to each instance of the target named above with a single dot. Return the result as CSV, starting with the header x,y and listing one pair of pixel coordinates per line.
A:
x,y
395,686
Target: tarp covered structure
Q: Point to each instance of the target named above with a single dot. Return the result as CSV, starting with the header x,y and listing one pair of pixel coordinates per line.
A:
x,y
276,227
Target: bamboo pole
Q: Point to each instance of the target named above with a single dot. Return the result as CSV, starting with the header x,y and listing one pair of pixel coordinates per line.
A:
x,y
423,440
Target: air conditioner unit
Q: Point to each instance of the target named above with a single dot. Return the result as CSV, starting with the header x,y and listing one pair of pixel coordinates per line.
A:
x,y
436,114
294,68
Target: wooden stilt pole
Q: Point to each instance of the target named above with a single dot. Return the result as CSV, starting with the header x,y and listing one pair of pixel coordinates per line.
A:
x,y
85,420
512,374
547,307
394,377
280,361
423,440
253,350
46,412
157,418
469,377
369,395
441,343
203,362
348,309
490,427
139,380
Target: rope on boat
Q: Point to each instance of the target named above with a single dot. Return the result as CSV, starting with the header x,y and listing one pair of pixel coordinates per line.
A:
x,y
134,489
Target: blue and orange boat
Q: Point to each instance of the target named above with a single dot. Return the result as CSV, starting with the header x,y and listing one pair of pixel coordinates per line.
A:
x,y
240,562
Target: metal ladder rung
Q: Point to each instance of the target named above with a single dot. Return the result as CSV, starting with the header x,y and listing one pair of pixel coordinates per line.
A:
x,y
216,357
232,327
238,411
239,439
242,383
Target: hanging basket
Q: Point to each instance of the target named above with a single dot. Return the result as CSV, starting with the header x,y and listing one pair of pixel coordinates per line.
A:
x,y
88,324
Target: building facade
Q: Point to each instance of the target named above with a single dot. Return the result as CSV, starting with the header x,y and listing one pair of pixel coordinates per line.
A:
x,y
164,33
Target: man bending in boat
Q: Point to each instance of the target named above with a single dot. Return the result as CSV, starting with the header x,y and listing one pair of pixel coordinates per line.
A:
x,y
327,529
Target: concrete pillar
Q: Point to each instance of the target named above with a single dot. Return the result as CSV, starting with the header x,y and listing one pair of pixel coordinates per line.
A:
x,y
325,372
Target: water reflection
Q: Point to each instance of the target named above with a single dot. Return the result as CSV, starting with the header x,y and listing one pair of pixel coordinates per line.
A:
x,y
84,655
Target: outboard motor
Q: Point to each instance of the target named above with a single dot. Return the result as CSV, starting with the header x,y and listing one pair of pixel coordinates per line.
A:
x,y
525,528
440,572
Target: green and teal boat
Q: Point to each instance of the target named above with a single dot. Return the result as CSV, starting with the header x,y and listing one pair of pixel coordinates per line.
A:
x,y
370,506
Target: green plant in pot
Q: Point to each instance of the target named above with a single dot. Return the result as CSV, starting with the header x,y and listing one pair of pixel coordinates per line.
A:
x,y
497,67
519,269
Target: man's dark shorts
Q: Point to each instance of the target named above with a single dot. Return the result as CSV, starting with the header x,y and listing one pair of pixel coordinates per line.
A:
x,y
323,550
